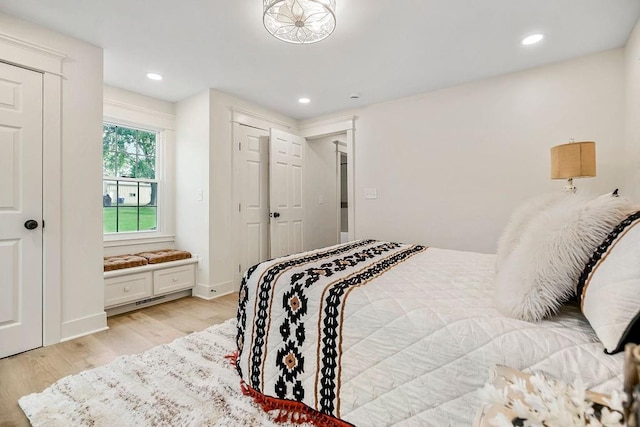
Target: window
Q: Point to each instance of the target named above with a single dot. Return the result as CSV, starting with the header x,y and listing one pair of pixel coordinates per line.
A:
x,y
130,181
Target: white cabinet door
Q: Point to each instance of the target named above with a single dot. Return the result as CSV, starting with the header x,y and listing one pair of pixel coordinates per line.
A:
x,y
286,192
20,202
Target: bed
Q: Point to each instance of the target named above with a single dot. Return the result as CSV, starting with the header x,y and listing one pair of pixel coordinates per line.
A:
x,y
373,333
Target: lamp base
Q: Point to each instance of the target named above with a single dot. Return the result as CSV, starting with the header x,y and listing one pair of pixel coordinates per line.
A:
x,y
569,187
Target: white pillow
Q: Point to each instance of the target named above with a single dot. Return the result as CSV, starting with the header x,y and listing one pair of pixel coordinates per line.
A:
x,y
520,218
609,287
542,270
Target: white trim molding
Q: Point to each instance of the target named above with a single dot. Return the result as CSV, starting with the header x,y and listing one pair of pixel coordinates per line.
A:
x,y
31,55
322,128
262,121
209,292
84,326
130,114
114,240
52,210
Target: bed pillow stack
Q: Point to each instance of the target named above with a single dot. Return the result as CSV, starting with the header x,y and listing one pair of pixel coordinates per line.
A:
x,y
545,248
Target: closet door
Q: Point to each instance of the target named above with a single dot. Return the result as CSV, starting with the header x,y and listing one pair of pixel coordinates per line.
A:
x,y
20,209
287,192
252,164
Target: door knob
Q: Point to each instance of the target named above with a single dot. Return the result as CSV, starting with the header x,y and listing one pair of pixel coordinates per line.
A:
x,y
276,214
31,224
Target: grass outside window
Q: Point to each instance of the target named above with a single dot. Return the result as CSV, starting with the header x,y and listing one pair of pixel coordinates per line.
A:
x,y
126,218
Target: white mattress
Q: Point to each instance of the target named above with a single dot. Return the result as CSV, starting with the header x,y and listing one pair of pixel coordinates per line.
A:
x,y
418,340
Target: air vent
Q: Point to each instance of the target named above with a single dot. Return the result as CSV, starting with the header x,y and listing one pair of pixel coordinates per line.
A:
x,y
144,301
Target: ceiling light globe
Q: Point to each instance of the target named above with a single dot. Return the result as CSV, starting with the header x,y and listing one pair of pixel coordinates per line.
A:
x,y
300,21
154,76
304,100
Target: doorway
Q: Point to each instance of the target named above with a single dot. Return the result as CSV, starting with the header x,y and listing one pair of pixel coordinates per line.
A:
x,y
342,130
343,196
269,188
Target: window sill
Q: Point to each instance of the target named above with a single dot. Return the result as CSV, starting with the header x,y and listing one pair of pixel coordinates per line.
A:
x,y
111,241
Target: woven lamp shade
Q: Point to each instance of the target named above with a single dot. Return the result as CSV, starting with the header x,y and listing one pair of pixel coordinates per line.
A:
x,y
573,160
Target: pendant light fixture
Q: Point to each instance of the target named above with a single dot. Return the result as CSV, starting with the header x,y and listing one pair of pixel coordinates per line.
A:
x,y
300,21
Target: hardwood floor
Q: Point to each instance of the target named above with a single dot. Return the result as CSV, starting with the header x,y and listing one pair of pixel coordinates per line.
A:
x,y
128,333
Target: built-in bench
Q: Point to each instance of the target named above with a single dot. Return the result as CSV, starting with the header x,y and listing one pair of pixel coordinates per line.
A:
x,y
134,281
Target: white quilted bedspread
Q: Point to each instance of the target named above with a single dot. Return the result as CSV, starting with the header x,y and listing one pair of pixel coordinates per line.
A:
x,y
418,340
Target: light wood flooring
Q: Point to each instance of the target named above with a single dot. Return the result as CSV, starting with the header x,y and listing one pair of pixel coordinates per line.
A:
x,y
128,333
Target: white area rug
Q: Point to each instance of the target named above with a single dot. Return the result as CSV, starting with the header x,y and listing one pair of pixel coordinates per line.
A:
x,y
186,383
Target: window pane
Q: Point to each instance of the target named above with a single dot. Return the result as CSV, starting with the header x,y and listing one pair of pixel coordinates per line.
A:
x,y
144,192
153,194
108,150
109,219
146,167
109,163
146,143
127,218
127,140
109,193
127,193
148,218
108,138
126,165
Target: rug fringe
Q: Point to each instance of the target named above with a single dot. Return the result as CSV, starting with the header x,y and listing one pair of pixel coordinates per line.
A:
x,y
288,411
233,358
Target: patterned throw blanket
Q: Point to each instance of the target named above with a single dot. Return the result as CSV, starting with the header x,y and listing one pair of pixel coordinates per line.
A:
x,y
291,322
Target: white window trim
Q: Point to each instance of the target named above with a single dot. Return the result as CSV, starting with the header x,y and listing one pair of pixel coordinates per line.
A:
x,y
134,116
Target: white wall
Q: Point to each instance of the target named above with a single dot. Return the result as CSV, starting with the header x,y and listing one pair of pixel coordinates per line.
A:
x,y
321,183
632,114
192,177
82,308
450,166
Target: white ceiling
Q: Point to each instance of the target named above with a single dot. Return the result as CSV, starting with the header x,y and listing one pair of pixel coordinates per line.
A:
x,y
381,49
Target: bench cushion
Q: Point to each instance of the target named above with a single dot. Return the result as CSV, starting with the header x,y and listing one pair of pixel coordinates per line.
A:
x,y
164,255
123,261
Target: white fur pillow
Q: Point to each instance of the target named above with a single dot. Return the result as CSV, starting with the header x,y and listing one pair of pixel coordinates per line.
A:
x,y
542,269
519,220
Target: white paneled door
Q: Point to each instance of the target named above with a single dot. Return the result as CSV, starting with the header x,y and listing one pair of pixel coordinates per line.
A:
x,y
20,209
253,207
286,192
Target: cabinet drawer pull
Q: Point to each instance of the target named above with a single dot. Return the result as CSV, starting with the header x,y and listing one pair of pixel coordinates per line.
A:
x,y
127,289
175,279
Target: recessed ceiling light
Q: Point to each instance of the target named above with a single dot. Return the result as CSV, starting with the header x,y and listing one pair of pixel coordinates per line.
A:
x,y
154,76
532,39
304,100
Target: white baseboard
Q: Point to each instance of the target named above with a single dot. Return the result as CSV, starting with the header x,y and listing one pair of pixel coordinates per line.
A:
x,y
209,292
84,326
